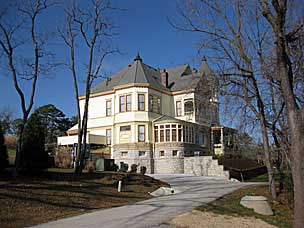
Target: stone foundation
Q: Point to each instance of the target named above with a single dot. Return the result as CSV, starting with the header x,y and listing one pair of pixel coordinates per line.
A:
x,y
168,158
133,156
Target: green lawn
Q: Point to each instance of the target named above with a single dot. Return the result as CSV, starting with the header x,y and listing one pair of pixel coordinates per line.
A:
x,y
261,178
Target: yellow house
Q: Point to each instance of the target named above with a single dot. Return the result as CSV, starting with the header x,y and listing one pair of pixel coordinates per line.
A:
x,y
154,118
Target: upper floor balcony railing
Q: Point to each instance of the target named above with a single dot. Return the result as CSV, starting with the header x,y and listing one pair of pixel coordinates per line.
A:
x,y
189,115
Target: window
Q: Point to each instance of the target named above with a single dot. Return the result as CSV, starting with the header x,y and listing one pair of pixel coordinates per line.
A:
x,y
141,133
162,153
156,133
188,106
173,135
121,103
167,135
141,102
128,107
174,153
178,108
201,138
108,107
154,104
125,103
141,153
124,154
161,134
108,136
179,133
125,128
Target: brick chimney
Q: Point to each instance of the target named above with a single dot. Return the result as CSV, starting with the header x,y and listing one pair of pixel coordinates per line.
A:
x,y
164,78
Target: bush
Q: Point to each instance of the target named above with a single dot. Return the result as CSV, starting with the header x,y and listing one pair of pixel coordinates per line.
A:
x,y
143,170
3,152
10,141
133,168
90,167
63,158
35,157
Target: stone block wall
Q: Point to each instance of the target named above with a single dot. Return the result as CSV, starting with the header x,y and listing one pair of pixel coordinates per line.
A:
x,y
129,153
169,165
204,166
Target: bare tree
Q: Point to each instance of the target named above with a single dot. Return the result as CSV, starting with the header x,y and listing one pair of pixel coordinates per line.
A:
x,y
89,28
228,33
19,29
275,13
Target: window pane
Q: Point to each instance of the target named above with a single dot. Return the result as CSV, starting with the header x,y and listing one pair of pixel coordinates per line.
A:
x,y
188,107
125,128
158,105
167,135
121,104
173,135
108,136
161,135
141,102
109,108
128,97
141,133
174,153
178,108
150,103
156,135
179,135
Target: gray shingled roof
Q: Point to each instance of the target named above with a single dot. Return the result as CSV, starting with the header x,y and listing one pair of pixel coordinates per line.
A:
x,y
169,119
137,72
180,77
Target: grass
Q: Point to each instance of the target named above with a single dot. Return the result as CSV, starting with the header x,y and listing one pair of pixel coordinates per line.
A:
x,y
230,205
261,178
27,201
11,156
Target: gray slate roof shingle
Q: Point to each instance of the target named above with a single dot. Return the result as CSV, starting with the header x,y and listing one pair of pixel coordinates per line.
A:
x,y
180,77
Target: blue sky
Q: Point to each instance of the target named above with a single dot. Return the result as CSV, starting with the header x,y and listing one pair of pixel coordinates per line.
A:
x,y
142,27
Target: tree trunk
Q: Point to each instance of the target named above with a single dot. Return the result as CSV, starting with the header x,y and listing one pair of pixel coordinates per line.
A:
x,y
268,161
297,157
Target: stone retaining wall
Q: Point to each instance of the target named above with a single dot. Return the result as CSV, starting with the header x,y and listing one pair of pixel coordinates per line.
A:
x,y
204,166
169,165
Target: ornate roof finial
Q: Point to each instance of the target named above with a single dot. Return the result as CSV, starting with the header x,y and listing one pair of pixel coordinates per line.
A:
x,y
204,59
138,57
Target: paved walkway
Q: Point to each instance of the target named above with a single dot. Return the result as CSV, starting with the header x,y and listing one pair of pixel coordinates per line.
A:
x,y
154,212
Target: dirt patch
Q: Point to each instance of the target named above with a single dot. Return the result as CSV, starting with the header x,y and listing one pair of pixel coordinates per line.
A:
x,y
26,201
199,219
229,205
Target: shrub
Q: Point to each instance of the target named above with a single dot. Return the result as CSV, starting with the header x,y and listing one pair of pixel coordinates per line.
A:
x,y
90,167
143,170
63,158
133,168
35,157
10,141
3,152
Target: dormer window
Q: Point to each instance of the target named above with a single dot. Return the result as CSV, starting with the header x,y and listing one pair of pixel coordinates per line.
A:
x,y
188,106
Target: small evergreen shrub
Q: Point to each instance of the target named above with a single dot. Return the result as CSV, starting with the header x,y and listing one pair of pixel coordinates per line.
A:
x,y
35,156
143,170
133,168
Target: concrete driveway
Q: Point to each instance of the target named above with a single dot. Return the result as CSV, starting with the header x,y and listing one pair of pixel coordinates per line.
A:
x,y
151,213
